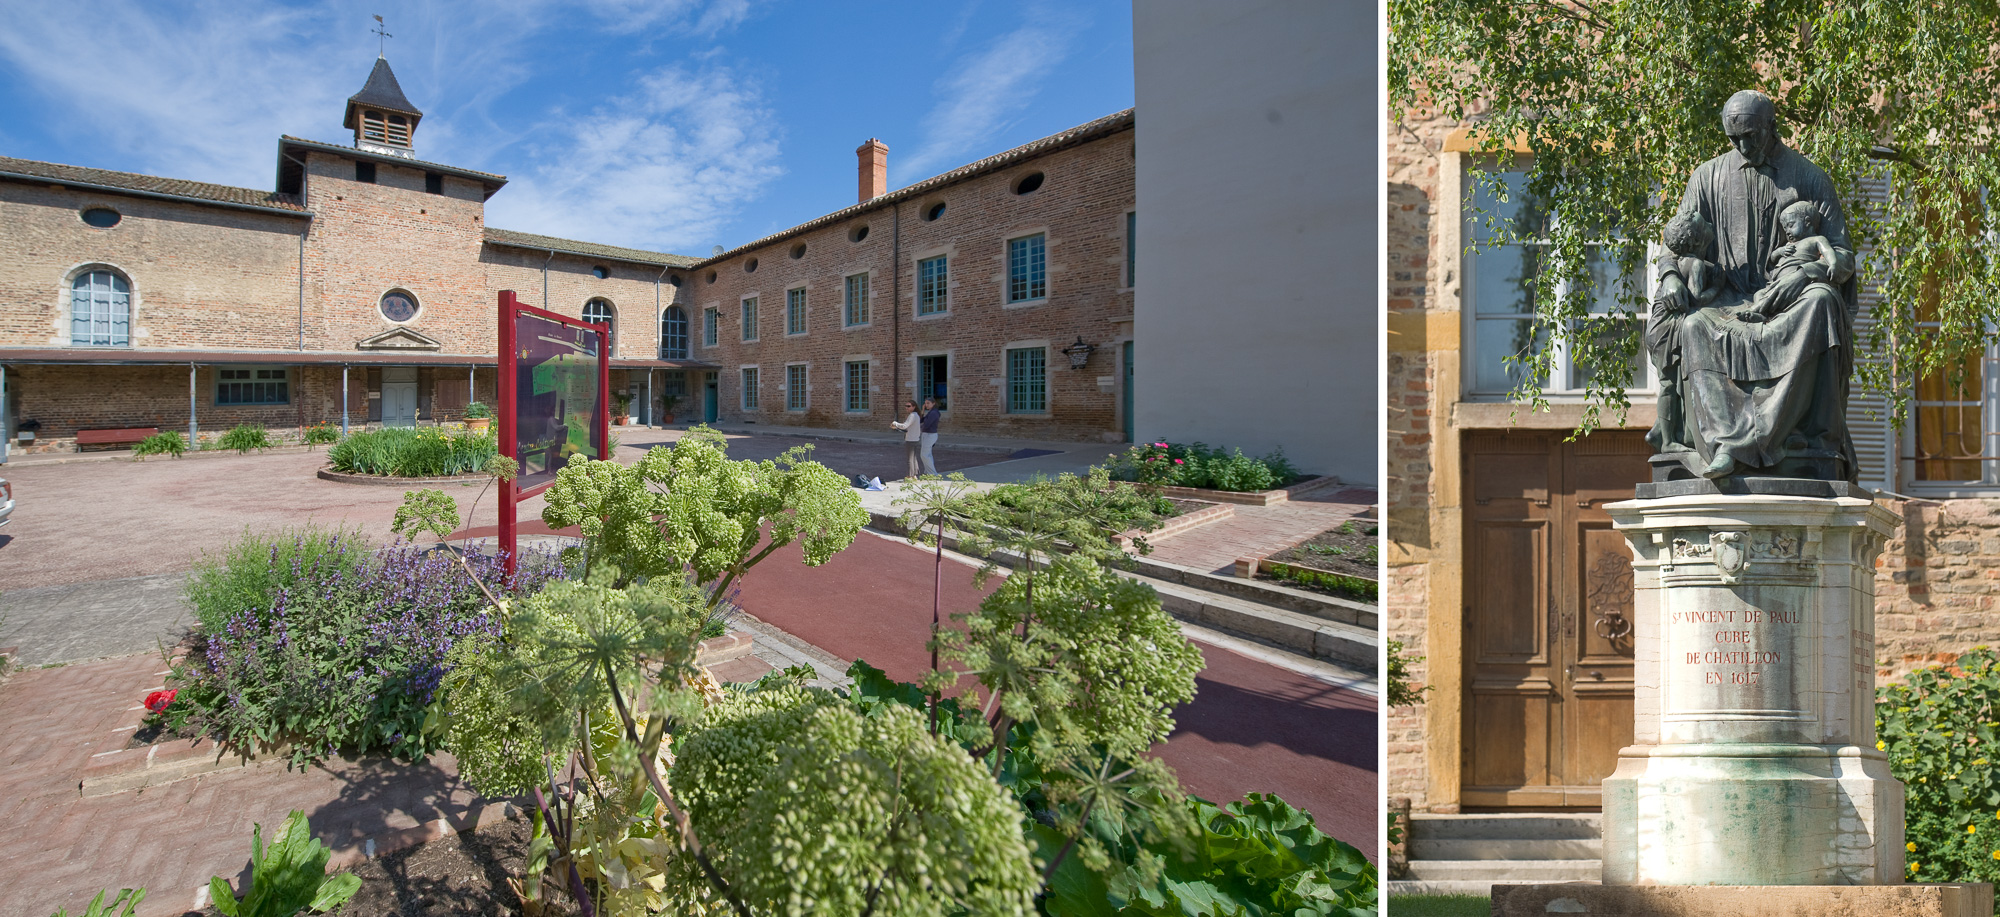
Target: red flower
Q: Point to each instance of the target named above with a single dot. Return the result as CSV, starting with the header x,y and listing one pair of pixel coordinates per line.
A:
x,y
158,700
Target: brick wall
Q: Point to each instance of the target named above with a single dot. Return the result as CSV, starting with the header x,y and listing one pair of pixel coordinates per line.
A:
x,y
1934,584
1081,207
629,289
198,274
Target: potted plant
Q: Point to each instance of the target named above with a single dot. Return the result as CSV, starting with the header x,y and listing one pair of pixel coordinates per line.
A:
x,y
667,403
621,412
478,416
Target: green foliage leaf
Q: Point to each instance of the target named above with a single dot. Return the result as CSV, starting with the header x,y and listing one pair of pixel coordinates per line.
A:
x,y
287,877
431,511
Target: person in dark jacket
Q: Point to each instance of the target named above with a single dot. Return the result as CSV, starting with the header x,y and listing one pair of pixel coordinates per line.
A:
x,y
930,431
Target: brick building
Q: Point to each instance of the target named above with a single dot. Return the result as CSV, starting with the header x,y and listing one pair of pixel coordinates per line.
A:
x,y
363,289
1501,559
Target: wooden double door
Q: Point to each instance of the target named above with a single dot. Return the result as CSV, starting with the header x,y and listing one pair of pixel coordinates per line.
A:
x,y
1548,613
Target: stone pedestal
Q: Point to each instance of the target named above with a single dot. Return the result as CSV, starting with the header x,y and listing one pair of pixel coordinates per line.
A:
x,y
1743,901
1754,759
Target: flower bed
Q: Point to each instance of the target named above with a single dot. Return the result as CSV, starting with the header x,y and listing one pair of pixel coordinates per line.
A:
x,y
411,452
1200,466
319,639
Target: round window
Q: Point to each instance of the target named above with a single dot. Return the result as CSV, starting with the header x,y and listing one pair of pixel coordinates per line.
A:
x,y
858,233
934,211
673,280
398,306
600,272
101,217
750,266
711,276
799,250
1029,184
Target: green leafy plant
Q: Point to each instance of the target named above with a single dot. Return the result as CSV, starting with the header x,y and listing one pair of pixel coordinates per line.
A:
x,y
129,897
286,878
621,404
245,437
1357,587
478,410
320,434
1400,692
1163,464
1939,729
413,452
169,442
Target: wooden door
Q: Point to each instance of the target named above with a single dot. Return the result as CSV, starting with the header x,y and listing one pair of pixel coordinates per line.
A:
x,y
1548,592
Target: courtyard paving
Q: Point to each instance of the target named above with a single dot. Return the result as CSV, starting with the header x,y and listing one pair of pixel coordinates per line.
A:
x,y
1262,530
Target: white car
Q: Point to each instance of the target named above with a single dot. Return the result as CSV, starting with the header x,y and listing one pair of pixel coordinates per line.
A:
x,y
6,500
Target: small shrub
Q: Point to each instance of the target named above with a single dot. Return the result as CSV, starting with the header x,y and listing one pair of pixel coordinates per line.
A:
x,y
167,443
287,877
316,638
1163,464
1401,694
246,437
412,452
478,410
320,434
1358,587
1938,729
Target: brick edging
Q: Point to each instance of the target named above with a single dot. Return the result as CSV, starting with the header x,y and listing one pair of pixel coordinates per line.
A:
x,y
328,474
1252,497
1178,524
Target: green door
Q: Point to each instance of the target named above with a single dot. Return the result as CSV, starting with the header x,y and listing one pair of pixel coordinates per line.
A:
x,y
709,398
1126,395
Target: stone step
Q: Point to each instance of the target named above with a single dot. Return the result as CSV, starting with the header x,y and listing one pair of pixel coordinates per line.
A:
x,y
1507,870
1514,848
1506,826
1401,887
1326,607
1334,641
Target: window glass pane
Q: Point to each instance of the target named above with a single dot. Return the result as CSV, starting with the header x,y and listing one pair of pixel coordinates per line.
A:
x,y
1613,291
708,326
674,334
1027,269
252,386
1490,218
1502,279
1493,341
1027,380
100,310
857,386
1949,424
857,299
795,388
795,311
749,390
1609,331
750,319
931,286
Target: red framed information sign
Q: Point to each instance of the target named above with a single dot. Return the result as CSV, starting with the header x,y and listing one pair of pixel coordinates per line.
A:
x,y
555,387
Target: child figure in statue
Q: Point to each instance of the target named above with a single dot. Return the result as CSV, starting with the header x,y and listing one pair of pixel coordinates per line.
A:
x,y
1806,250
1688,236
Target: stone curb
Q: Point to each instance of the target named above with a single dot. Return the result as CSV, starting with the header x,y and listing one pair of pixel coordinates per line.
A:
x,y
717,650
26,460
328,474
1178,524
1327,607
1252,498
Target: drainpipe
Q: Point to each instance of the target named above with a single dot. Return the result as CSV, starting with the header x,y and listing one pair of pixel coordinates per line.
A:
x,y
302,284
343,399
659,345
6,433
896,301
545,278
194,431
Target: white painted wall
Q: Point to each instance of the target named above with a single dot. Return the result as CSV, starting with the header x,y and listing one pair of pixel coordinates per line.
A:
x,y
1257,309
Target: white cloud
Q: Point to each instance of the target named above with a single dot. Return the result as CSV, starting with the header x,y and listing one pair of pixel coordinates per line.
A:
x,y
662,168
985,90
202,89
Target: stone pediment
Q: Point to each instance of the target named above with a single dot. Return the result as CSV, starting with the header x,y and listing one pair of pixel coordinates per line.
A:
x,y
399,339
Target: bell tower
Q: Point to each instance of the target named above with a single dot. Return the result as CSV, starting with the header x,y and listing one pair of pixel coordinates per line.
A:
x,y
382,118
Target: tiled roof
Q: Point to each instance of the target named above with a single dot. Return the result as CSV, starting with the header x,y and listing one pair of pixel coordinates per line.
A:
x,y
150,185
1109,124
532,241
381,91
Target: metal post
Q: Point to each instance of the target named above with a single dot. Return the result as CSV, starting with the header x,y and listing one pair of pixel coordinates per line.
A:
x,y
504,384
651,420
471,383
343,399
194,431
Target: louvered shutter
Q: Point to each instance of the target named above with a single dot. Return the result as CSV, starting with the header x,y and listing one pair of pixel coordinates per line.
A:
x,y
1868,412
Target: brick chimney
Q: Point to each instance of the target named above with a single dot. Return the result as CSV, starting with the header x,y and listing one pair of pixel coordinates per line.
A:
x,y
874,156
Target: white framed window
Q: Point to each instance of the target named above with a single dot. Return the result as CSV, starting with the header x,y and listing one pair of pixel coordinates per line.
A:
x,y
674,334
100,310
710,321
933,292
1027,268
855,311
1951,441
1499,298
252,385
795,311
857,386
750,318
1028,380
599,312
795,386
749,388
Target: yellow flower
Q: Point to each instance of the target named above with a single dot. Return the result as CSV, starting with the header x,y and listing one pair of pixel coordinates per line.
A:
x,y
1913,866
1881,745
1996,854
1971,828
1911,846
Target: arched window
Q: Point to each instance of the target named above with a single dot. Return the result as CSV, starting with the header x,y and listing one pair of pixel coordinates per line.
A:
x,y
674,334
100,310
598,312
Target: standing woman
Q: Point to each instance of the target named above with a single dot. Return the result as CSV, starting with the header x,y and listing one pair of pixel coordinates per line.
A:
x,y
930,428
912,432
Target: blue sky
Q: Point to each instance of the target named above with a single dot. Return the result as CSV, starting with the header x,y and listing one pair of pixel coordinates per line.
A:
x,y
672,125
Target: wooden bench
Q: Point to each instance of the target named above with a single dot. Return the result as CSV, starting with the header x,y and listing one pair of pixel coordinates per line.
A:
x,y
116,437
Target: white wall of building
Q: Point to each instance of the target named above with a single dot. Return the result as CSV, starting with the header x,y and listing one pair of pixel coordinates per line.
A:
x,y
1257,308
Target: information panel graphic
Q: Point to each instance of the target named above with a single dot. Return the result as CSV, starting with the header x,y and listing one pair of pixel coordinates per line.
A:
x,y
557,399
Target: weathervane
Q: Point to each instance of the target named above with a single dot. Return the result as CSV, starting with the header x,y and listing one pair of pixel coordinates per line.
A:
x,y
382,44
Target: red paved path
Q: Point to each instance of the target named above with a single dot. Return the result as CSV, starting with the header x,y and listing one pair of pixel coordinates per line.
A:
x,y
1251,727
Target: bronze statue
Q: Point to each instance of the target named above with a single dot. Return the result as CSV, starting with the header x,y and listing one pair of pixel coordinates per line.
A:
x,y
1752,322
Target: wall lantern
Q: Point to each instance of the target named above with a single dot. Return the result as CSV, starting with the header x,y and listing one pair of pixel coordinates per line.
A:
x,y
1079,353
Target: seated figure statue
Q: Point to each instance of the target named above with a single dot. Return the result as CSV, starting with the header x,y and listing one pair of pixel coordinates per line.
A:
x,y
1757,374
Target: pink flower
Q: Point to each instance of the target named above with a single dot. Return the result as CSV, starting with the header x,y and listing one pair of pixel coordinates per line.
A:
x,y
1180,461
158,700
